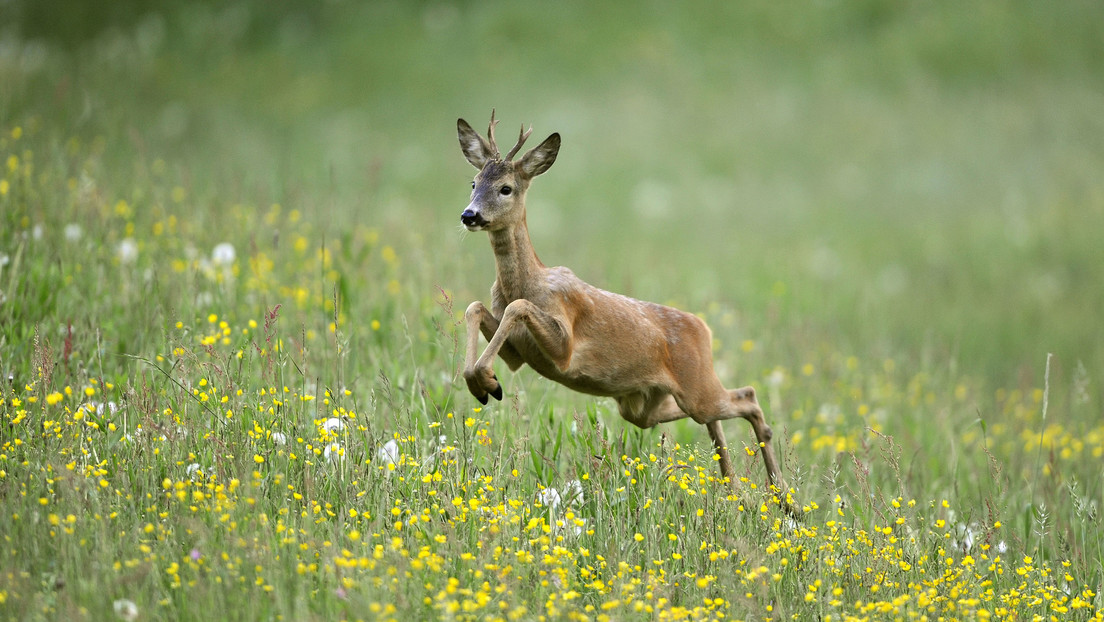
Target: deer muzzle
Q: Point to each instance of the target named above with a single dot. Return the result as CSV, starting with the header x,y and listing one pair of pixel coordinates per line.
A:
x,y
472,219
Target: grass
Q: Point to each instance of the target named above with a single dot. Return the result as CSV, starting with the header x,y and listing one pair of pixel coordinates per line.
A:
x,y
231,286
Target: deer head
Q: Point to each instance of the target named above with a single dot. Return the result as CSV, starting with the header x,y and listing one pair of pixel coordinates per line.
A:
x,y
498,191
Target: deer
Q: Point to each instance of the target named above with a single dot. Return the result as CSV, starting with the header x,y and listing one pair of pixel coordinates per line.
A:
x,y
655,361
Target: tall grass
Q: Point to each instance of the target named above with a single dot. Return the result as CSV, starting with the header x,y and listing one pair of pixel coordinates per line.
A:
x,y
231,285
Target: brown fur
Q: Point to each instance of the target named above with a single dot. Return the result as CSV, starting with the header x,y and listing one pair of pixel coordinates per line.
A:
x,y
655,361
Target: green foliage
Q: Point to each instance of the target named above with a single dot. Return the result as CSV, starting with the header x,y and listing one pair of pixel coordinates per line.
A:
x,y
232,284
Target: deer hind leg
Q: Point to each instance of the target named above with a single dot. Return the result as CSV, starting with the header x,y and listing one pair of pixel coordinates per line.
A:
x,y
747,407
712,404
649,411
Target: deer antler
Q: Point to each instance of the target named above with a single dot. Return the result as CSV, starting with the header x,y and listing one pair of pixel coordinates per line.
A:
x,y
522,136
490,136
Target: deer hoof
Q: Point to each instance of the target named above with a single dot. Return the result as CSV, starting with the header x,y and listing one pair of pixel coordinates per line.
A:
x,y
497,393
482,399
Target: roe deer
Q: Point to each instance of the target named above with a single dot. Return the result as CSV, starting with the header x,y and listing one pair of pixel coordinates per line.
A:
x,y
655,361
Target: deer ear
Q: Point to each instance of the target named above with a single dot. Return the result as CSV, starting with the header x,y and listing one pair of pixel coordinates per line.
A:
x,y
474,146
540,158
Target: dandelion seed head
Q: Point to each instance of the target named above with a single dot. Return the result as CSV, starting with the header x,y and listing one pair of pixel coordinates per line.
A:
x,y
223,254
125,609
775,378
334,452
127,251
573,492
549,497
389,453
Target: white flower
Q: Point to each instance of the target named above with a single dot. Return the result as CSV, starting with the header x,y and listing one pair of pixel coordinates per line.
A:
x,y
36,233
127,250
389,453
192,470
572,495
334,452
333,425
126,609
775,378
223,254
1002,548
966,535
103,408
279,438
73,233
573,492
549,497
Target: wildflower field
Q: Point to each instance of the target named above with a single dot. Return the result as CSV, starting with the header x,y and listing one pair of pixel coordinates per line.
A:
x,y
232,281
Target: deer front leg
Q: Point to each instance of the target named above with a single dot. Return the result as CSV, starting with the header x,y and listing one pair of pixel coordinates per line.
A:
x,y
480,320
548,333
479,316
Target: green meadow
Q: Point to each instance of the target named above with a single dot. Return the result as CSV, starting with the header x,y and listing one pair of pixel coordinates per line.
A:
x,y
232,280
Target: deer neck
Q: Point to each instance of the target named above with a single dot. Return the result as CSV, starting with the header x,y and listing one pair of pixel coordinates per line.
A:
x,y
516,263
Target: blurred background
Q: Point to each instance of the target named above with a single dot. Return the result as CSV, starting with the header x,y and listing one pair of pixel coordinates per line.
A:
x,y
911,180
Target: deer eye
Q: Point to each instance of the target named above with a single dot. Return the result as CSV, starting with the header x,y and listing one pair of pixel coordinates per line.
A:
x,y
473,185
505,191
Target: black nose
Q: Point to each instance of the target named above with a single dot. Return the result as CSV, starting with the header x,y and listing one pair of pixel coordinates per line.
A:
x,y
470,218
